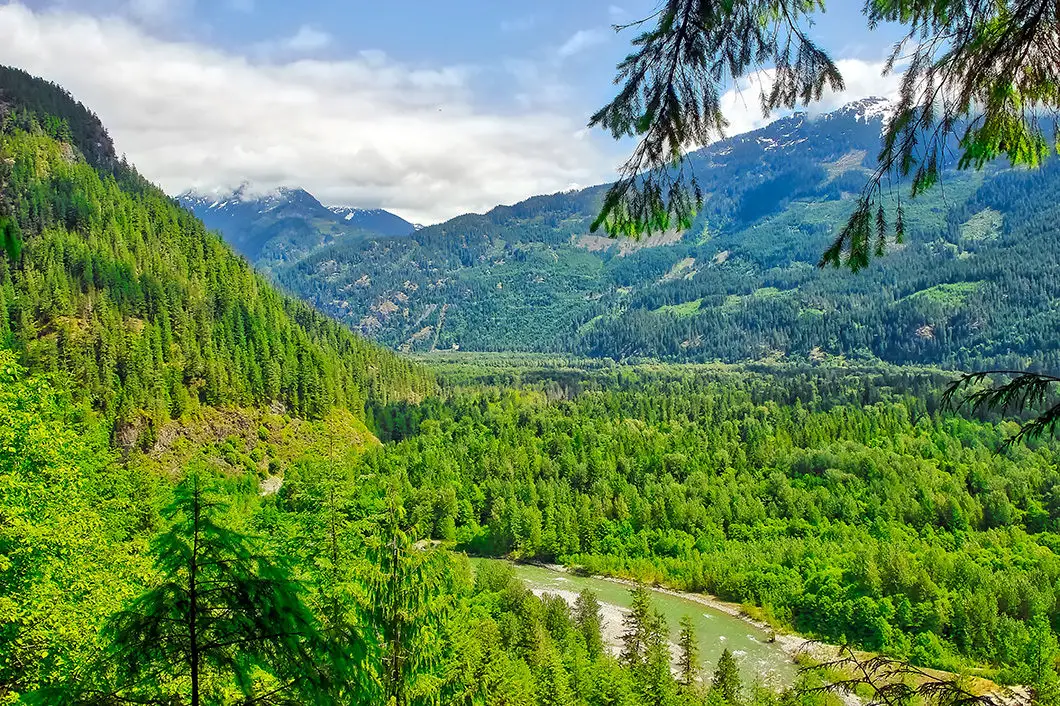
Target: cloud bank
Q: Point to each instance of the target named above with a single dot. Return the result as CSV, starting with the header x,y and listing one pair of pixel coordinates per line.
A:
x,y
863,79
365,131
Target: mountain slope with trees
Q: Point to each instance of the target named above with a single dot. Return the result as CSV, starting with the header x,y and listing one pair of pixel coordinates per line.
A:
x,y
846,503
972,284
105,280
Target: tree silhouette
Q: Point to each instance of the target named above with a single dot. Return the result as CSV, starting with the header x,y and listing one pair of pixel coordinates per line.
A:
x,y
978,77
220,615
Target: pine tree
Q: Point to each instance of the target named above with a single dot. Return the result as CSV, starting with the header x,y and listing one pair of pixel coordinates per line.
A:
x,y
407,602
726,681
687,661
220,613
588,619
636,628
654,675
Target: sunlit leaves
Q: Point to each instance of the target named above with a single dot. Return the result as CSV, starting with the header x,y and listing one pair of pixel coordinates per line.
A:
x,y
978,84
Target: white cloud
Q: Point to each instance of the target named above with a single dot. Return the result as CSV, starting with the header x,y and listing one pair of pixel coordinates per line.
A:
x,y
241,5
581,40
364,131
307,39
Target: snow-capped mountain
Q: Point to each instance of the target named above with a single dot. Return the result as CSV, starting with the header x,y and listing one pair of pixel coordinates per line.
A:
x,y
376,220
281,225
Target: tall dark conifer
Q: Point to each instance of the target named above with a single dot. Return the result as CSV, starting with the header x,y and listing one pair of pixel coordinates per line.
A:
x,y
220,614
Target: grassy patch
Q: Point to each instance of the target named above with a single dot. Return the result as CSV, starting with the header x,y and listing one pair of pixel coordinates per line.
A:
x,y
985,225
683,309
948,295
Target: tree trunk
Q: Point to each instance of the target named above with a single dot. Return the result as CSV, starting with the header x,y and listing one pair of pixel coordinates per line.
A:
x,y
193,654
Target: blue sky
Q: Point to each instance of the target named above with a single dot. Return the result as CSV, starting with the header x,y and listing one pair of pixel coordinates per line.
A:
x,y
430,109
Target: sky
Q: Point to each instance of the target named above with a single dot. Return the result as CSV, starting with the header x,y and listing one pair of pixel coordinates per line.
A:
x,y
427,108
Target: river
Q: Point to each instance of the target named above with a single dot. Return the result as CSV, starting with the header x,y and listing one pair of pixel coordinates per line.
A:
x,y
761,661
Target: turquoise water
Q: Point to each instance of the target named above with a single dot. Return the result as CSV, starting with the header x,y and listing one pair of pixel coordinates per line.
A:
x,y
760,660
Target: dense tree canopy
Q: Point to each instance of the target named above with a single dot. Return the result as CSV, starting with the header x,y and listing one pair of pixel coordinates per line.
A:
x,y
128,294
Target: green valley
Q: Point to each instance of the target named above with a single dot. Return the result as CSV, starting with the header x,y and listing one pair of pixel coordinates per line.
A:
x,y
259,450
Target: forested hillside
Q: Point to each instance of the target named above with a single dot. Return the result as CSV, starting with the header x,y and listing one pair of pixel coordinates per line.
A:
x,y
972,285
107,282
194,509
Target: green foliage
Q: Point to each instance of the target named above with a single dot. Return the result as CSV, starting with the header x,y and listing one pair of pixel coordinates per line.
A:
x,y
10,239
688,657
845,517
71,520
675,299
1023,391
670,97
638,628
975,75
843,502
978,74
587,618
848,504
26,99
726,681
222,616
129,295
407,604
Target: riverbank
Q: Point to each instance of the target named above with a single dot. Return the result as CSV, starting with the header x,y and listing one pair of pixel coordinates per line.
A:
x,y
801,649
795,646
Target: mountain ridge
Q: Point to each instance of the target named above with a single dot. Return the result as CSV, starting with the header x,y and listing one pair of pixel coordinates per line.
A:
x,y
152,314
274,226
740,284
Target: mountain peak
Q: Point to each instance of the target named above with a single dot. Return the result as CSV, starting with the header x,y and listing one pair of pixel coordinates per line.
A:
x,y
868,109
245,193
282,223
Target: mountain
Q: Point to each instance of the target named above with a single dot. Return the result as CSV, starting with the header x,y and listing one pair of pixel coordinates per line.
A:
x,y
279,226
23,95
973,283
106,281
374,220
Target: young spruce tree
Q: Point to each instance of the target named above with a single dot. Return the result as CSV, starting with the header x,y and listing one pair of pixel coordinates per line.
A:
x,y
727,682
221,617
687,661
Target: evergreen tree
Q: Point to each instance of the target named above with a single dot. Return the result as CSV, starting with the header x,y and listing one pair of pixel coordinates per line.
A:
x,y
1042,650
655,676
220,615
726,682
976,77
553,687
407,601
589,620
688,657
637,628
